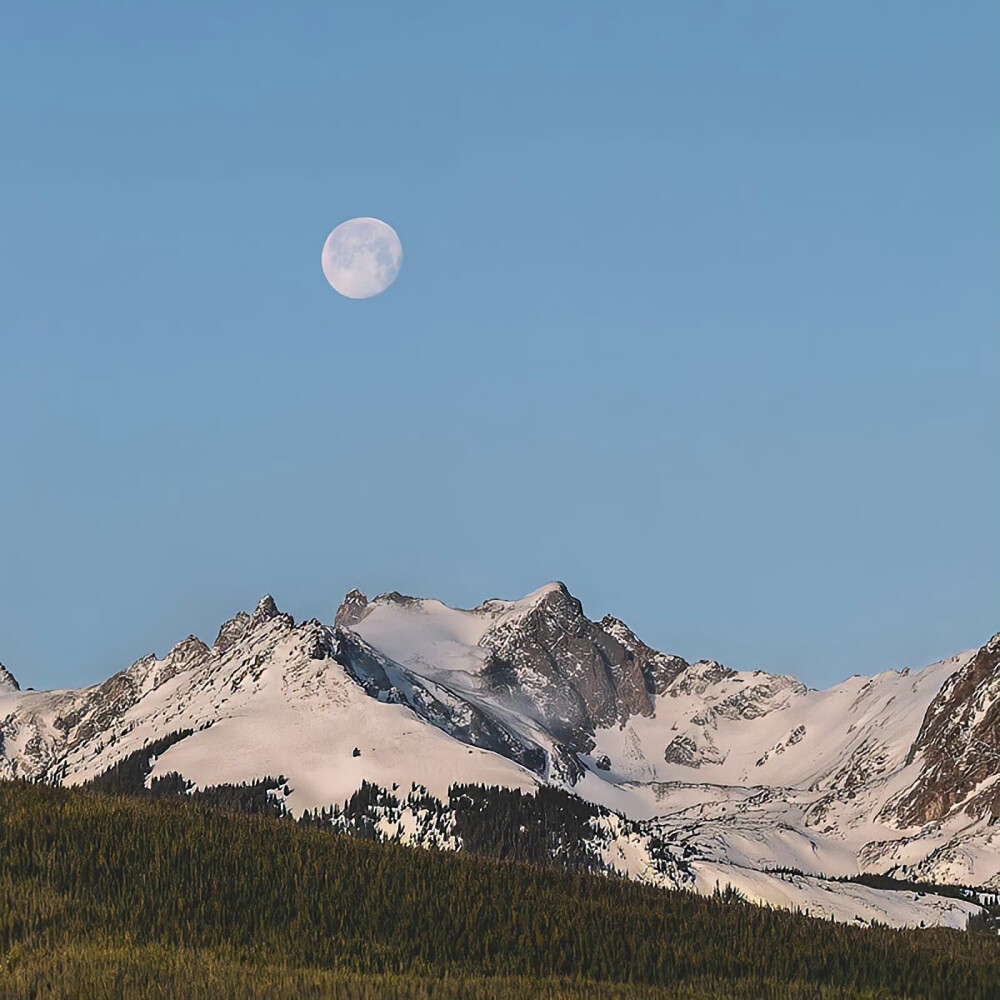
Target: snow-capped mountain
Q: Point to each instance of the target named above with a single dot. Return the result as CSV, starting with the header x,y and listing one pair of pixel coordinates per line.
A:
x,y
698,775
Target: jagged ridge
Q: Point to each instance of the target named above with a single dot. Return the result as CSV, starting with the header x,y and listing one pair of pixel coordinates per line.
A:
x,y
742,771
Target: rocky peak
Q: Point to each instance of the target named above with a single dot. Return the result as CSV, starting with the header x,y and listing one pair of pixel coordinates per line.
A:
x,y
242,624
352,610
267,611
232,631
555,599
190,648
621,631
700,676
659,670
140,669
395,597
148,673
558,589
8,682
582,676
959,741
190,652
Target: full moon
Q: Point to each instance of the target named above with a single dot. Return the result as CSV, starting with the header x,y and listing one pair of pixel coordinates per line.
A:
x,y
362,257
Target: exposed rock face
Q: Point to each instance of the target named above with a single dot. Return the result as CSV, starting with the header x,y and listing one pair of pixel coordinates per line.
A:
x,y
187,655
659,670
232,631
395,597
699,677
241,624
757,699
581,675
7,680
352,610
959,741
93,711
682,750
267,610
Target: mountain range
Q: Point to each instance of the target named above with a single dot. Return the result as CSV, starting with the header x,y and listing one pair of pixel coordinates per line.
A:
x,y
691,775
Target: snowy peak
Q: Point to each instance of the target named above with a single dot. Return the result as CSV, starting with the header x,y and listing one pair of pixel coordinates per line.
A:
x,y
539,657
266,611
580,675
242,624
8,682
555,593
497,606
232,631
352,609
189,654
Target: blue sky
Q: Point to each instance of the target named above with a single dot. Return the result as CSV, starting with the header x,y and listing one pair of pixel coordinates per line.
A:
x,y
699,313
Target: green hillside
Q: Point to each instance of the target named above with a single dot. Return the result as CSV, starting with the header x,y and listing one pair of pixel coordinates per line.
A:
x,y
122,897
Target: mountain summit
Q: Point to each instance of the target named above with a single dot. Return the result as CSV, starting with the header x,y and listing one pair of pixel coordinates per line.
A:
x,y
695,774
8,682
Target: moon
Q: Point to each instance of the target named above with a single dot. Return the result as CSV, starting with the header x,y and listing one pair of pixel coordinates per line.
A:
x,y
362,257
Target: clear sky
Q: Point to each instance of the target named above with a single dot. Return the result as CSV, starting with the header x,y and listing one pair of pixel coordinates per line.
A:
x,y
699,313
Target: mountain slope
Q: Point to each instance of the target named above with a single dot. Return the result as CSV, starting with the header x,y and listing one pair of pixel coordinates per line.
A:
x,y
133,898
735,772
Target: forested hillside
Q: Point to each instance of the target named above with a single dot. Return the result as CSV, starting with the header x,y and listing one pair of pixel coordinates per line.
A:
x,y
108,896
